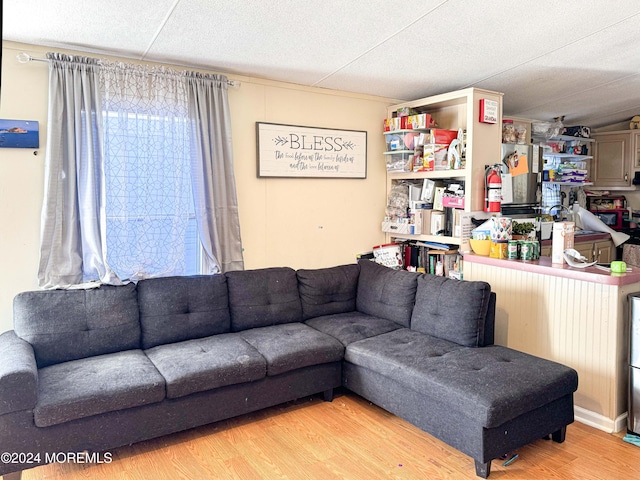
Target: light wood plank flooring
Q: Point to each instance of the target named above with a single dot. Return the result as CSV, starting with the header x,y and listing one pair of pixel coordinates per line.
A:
x,y
348,438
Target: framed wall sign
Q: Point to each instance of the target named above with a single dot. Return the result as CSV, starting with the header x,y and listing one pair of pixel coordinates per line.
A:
x,y
295,151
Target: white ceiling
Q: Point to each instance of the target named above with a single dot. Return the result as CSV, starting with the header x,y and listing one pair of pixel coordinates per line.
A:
x,y
577,58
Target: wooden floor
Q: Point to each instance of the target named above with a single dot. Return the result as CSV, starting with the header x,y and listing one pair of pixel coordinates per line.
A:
x,y
348,438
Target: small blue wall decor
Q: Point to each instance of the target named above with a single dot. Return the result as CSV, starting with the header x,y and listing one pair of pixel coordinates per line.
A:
x,y
19,134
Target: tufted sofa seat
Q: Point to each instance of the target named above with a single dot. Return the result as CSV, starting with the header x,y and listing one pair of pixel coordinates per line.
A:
x,y
90,370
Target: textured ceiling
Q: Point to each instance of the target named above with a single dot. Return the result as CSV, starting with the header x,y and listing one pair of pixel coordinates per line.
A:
x,y
577,58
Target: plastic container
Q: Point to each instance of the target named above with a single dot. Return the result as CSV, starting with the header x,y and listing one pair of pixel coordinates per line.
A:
x,y
402,140
402,161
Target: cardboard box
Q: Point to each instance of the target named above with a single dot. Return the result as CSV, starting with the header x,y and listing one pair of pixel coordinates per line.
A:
x,y
426,220
404,228
467,226
562,238
391,124
420,121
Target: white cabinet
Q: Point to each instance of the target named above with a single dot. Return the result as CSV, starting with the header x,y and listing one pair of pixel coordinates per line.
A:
x,y
454,111
616,154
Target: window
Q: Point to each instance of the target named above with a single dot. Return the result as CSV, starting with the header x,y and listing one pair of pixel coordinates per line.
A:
x,y
151,227
139,175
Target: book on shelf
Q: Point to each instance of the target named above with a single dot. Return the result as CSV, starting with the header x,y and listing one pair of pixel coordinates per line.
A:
x,y
443,260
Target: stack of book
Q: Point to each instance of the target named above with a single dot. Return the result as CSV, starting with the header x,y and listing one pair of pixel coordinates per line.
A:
x,y
431,257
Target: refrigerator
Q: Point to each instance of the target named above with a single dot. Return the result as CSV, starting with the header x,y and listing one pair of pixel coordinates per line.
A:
x,y
633,418
521,175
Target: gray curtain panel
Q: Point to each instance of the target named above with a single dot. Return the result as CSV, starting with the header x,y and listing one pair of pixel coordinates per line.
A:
x,y
74,237
72,234
214,181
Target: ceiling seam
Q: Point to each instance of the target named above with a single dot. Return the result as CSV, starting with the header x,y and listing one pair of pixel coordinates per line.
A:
x,y
160,28
552,51
369,50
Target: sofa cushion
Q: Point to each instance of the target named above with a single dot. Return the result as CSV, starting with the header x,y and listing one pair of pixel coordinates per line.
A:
x,y
64,325
173,309
95,385
326,291
386,293
470,380
353,326
440,312
295,345
262,297
207,363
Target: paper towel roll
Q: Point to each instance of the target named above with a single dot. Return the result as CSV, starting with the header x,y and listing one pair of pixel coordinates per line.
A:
x,y
588,221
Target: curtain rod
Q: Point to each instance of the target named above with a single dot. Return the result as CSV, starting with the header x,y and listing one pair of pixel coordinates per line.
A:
x,y
26,58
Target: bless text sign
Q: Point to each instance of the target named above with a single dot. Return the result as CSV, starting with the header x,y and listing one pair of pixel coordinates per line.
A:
x,y
294,151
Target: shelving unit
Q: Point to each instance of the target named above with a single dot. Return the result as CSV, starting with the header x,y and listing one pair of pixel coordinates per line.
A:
x,y
454,111
563,157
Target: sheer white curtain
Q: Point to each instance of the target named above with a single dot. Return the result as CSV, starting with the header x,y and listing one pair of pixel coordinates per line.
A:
x,y
139,160
147,168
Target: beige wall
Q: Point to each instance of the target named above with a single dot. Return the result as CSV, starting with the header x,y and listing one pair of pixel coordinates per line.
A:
x,y
301,223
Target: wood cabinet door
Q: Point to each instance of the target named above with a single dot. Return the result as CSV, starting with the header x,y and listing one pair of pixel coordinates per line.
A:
x,y
606,251
585,249
612,160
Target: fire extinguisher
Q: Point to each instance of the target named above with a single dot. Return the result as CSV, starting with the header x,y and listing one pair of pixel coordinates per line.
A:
x,y
492,189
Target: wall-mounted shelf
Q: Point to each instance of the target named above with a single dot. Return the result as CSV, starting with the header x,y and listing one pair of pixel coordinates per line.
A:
x,y
559,138
571,184
568,155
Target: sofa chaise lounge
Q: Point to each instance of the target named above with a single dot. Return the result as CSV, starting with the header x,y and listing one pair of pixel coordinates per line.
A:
x,y
90,370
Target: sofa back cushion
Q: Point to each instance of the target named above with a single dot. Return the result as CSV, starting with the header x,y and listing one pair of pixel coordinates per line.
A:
x,y
67,325
173,309
386,293
453,310
327,291
258,298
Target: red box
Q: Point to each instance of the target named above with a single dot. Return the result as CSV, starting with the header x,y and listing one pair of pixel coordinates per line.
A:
x,y
420,121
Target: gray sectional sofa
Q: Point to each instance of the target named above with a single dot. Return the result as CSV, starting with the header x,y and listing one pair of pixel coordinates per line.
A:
x,y
91,370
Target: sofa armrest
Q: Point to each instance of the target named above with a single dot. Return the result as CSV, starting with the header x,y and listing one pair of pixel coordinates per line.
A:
x,y
18,374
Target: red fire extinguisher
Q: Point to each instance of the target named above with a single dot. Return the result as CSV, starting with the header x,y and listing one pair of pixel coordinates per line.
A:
x,y
492,189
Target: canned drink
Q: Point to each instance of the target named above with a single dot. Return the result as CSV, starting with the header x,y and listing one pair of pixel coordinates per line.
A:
x,y
536,249
513,250
527,250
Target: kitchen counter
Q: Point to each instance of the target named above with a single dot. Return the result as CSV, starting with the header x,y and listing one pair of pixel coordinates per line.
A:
x,y
578,317
544,266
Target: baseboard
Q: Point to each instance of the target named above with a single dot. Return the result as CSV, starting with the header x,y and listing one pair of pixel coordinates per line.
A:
x,y
600,422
